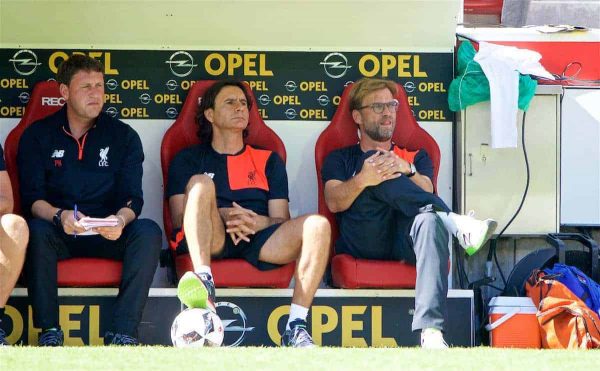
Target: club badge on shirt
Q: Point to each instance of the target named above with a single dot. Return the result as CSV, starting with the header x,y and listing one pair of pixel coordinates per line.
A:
x,y
103,157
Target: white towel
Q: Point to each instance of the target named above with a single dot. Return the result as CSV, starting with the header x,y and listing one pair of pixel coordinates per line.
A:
x,y
502,65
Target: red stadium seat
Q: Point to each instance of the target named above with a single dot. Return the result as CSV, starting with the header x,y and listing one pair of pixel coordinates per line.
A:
x,y
346,271
182,134
45,99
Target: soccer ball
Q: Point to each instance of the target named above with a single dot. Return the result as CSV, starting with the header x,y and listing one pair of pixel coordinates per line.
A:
x,y
197,327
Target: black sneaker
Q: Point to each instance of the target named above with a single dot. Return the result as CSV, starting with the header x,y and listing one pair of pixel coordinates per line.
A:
x,y
51,338
197,290
119,339
3,341
297,336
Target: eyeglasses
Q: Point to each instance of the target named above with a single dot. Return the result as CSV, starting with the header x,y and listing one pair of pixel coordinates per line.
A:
x,y
378,107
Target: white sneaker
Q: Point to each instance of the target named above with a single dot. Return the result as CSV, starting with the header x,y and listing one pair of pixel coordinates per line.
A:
x,y
472,233
432,338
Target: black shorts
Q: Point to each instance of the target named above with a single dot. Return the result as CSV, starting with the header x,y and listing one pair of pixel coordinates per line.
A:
x,y
248,251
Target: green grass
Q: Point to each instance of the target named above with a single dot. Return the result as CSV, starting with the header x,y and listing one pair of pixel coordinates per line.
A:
x,y
244,359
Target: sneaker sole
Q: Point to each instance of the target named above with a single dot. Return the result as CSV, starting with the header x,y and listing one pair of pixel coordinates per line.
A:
x,y
192,292
491,224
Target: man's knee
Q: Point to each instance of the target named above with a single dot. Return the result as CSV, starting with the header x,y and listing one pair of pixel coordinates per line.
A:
x,y
15,228
40,230
200,185
317,225
148,231
430,223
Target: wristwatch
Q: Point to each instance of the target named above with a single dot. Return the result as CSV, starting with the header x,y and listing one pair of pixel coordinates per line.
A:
x,y
413,171
56,218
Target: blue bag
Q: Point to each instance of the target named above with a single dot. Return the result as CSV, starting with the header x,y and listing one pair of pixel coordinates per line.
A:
x,y
581,285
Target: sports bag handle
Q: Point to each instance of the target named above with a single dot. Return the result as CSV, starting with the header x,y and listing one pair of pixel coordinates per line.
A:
x,y
556,240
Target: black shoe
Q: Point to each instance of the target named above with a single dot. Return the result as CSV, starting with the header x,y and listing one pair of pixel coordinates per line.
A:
x,y
3,341
297,336
119,339
51,338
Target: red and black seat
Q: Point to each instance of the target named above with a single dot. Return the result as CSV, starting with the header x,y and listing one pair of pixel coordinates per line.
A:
x,y
182,134
347,271
45,100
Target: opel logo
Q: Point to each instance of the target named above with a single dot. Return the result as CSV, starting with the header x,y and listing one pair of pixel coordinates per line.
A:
x,y
290,86
24,62
323,100
181,63
335,65
264,100
409,86
171,112
145,98
171,85
112,84
290,113
24,97
234,323
111,111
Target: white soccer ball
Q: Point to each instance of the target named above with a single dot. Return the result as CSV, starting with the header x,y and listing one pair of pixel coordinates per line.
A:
x,y
197,327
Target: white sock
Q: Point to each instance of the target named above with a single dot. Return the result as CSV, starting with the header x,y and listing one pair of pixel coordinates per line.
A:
x,y
204,269
448,220
296,312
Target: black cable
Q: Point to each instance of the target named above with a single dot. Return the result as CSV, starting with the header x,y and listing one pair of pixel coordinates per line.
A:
x,y
493,242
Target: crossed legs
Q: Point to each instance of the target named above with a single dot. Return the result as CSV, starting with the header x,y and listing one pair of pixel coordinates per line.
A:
x,y
304,239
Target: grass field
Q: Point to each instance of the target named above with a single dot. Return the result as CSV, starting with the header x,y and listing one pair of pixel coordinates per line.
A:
x,y
244,359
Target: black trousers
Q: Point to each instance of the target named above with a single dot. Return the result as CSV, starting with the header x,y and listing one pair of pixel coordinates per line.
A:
x,y
138,247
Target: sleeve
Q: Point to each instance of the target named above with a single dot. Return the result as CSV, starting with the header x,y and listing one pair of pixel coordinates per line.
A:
x,y
423,164
129,177
179,175
334,167
2,164
277,177
30,163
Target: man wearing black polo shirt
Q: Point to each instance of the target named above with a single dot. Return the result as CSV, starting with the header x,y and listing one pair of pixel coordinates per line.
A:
x,y
81,162
13,241
386,209
232,202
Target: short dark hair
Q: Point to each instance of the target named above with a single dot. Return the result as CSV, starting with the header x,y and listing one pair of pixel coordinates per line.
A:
x,y
74,64
205,131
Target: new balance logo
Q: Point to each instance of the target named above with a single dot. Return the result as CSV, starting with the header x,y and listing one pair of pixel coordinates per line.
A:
x,y
103,157
58,153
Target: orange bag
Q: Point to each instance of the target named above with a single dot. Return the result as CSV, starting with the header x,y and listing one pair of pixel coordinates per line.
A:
x,y
565,321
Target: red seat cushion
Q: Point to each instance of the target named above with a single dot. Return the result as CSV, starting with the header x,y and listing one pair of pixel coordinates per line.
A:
x,y
80,272
351,273
240,273
182,134
347,271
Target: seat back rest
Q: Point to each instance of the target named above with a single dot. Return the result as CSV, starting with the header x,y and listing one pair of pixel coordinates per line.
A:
x,y
342,131
183,133
45,100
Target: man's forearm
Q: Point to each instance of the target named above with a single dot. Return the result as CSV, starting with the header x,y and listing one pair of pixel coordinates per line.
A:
x,y
43,210
423,182
339,197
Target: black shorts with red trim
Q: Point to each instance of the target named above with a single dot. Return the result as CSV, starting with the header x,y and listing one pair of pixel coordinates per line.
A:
x,y
248,251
